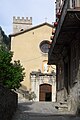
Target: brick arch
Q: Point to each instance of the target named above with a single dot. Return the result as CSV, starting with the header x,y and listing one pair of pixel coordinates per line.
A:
x,y
45,92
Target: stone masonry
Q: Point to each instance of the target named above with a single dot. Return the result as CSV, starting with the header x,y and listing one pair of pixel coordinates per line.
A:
x,y
20,24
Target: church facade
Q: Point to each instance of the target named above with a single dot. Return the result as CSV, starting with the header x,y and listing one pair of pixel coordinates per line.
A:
x,y
31,47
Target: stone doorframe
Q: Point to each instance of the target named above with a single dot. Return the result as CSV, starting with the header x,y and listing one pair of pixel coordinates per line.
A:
x,y
37,81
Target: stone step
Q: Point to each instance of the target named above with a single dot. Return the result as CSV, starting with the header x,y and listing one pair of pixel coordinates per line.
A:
x,y
61,106
62,103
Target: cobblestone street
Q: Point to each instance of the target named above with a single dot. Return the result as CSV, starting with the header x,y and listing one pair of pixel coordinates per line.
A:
x,y
40,111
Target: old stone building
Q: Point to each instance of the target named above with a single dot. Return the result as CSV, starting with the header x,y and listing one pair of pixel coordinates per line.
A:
x,y
20,24
65,52
31,47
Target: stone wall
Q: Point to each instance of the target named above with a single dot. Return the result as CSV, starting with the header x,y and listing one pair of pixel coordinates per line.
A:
x,y
8,103
22,20
60,96
73,96
73,99
20,24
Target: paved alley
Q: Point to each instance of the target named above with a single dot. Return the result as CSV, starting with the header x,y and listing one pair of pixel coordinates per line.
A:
x,y
40,111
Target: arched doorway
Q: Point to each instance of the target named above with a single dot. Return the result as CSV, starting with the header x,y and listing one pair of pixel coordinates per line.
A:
x,y
45,92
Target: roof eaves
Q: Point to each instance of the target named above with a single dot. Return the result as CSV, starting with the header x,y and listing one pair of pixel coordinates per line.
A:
x,y
34,27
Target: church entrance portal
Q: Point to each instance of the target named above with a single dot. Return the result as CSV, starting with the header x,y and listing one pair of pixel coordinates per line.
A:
x,y
45,92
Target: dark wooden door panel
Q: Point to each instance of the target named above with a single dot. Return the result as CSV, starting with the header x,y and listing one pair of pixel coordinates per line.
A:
x,y
45,90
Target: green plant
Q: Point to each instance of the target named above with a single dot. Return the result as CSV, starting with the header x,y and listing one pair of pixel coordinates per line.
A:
x,y
11,74
32,96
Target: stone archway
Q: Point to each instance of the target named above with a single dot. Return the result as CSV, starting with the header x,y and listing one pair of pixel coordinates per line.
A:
x,y
45,92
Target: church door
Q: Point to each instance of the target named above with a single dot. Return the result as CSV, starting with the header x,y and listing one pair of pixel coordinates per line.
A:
x,y
45,92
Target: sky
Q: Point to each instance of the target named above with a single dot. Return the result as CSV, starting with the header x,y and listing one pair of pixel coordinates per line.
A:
x,y
40,10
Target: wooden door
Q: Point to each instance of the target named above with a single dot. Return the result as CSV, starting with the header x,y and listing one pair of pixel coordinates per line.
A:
x,y
45,92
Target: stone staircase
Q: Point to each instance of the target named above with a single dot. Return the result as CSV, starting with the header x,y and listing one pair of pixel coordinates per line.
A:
x,y
62,106
42,111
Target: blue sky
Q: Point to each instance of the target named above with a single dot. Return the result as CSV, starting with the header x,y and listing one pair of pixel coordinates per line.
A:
x,y
37,9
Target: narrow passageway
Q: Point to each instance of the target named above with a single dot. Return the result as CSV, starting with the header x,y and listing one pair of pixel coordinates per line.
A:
x,y
40,111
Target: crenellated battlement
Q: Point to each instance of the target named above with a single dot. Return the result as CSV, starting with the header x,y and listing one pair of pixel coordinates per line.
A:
x,y
22,20
20,24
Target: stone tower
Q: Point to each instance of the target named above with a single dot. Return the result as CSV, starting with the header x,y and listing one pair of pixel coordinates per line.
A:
x,y
20,24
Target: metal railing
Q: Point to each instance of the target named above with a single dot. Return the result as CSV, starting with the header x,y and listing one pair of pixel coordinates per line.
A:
x,y
60,22
73,4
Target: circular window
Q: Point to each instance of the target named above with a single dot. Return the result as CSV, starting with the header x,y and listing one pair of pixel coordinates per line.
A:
x,y
44,46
